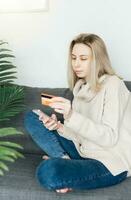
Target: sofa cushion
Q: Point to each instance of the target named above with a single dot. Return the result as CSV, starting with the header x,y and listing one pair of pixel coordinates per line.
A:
x,y
128,84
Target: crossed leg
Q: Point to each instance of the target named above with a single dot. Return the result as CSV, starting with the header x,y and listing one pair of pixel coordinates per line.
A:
x,y
64,190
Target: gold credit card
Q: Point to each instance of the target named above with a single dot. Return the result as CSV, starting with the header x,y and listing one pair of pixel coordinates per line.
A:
x,y
46,99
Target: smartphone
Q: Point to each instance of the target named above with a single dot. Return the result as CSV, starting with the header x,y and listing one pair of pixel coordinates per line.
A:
x,y
41,114
46,99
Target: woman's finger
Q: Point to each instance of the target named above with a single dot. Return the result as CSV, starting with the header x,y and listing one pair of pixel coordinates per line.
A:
x,y
58,124
50,123
42,118
53,116
57,105
46,120
53,127
61,99
59,111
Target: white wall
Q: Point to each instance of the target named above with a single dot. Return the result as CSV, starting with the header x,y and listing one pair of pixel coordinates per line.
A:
x,y
40,40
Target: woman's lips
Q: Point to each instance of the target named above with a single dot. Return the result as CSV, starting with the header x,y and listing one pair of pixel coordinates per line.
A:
x,y
78,71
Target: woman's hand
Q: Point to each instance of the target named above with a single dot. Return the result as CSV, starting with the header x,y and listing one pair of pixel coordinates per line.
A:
x,y
51,123
61,105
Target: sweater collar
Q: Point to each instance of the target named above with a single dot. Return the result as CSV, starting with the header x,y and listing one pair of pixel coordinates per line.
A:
x,y
82,89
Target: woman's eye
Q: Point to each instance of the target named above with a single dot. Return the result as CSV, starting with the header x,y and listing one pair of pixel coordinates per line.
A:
x,y
80,59
83,58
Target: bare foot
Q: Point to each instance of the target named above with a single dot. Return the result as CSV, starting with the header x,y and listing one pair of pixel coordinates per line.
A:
x,y
45,157
65,190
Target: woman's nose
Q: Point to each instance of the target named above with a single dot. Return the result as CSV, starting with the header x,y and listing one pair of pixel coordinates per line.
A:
x,y
77,63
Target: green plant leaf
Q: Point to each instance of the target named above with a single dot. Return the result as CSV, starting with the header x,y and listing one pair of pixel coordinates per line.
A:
x,y
4,61
11,103
10,144
1,173
6,56
4,151
1,50
2,42
9,131
6,82
7,158
3,166
10,152
7,78
7,73
5,67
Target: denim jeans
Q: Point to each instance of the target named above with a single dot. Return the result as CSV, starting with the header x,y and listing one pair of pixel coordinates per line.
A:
x,y
56,172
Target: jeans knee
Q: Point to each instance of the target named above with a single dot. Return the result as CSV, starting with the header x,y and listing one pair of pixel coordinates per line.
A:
x,y
29,114
28,117
48,173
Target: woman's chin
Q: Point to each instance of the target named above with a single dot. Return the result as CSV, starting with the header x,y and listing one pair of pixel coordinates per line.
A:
x,y
80,76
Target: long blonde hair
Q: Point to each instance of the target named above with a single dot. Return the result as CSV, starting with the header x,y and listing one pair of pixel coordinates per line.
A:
x,y
100,64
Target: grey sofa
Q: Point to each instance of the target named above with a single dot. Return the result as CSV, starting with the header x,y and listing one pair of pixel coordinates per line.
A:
x,y
20,182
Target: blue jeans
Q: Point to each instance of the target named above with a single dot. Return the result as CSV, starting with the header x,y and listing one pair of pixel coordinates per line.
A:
x,y
56,172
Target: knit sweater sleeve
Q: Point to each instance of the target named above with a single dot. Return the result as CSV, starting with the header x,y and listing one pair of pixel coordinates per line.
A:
x,y
106,132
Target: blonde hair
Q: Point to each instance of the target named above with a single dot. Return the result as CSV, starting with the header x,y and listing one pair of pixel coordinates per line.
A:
x,y
100,64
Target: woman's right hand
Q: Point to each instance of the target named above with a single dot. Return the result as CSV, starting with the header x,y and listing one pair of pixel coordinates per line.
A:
x,y
51,123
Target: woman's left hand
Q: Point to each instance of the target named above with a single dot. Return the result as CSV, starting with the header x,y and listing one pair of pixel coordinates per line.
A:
x,y
61,105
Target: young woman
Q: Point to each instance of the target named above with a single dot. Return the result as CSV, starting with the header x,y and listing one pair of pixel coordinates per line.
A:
x,y
91,149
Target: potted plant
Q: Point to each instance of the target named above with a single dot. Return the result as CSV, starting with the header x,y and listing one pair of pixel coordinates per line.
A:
x,y
11,103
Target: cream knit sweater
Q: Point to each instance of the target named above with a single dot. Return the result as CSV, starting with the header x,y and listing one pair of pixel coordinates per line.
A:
x,y
100,124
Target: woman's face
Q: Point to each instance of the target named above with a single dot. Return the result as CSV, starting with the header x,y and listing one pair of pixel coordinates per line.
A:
x,y
81,59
